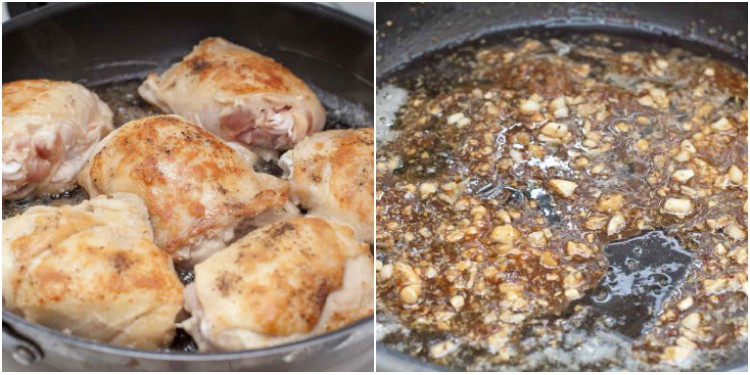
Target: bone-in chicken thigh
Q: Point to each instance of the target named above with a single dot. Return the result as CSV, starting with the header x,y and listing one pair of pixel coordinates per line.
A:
x,y
92,270
331,175
281,283
49,129
197,189
238,95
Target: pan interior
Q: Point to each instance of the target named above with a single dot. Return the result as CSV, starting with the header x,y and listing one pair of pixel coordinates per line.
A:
x,y
593,342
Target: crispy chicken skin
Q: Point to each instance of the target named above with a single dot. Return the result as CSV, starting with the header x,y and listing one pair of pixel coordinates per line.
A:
x,y
281,283
331,175
93,271
238,95
197,189
49,129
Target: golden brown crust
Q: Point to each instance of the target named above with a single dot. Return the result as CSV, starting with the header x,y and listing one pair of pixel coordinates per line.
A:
x,y
241,72
238,71
333,177
193,184
238,95
276,280
92,269
16,94
352,173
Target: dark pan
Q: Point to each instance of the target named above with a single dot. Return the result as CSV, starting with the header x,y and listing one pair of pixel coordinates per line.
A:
x,y
411,36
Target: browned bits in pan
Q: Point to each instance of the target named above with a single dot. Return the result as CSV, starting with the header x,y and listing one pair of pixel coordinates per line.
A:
x,y
500,191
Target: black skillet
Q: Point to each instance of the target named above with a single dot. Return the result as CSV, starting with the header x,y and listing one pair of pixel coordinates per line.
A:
x,y
105,44
410,36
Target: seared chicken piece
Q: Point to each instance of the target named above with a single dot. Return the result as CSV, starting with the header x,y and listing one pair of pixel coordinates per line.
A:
x,y
93,271
238,95
281,283
197,189
49,130
332,176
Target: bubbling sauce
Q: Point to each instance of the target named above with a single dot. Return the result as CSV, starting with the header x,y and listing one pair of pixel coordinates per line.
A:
x,y
505,180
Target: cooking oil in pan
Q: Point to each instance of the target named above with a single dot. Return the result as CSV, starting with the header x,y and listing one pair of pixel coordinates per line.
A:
x,y
642,272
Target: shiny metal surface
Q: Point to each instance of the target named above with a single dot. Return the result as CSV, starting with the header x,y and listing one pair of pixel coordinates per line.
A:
x,y
24,351
349,349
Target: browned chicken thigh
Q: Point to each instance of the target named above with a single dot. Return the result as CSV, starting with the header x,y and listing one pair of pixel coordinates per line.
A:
x,y
282,283
197,189
49,129
331,175
238,95
93,271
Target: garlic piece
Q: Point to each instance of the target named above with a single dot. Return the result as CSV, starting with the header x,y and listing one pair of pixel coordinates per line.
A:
x,y
683,175
548,260
688,146
679,207
677,356
529,107
506,234
564,187
735,231
427,188
735,175
555,130
443,348
537,239
559,108
691,322
572,294
575,248
616,224
722,124
685,304
611,203
386,272
410,294
459,119
454,236
457,302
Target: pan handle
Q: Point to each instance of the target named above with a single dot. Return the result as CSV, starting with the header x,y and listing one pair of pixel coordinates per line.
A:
x,y
25,352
